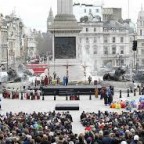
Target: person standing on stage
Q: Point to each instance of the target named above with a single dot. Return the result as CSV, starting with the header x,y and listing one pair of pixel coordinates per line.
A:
x,y
54,75
50,80
46,81
89,79
66,80
58,80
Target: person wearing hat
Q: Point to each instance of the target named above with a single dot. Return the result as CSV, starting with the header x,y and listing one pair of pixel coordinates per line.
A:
x,y
106,138
123,142
135,140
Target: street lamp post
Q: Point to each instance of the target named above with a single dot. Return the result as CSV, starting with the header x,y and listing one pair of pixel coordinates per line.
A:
x,y
67,69
48,66
7,56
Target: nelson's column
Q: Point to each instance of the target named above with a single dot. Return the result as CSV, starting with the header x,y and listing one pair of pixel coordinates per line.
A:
x,y
65,30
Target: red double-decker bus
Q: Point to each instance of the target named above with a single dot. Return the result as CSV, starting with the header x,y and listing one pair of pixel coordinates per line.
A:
x,y
37,68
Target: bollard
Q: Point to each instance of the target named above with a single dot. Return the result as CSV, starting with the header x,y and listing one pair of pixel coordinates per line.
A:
x,y
54,96
120,94
96,93
139,90
0,103
21,95
131,90
127,92
134,92
90,98
43,96
66,97
78,95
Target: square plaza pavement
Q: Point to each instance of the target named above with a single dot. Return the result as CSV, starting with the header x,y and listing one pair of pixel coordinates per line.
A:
x,y
28,106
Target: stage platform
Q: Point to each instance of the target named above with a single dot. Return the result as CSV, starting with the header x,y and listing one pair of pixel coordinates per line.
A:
x,y
70,90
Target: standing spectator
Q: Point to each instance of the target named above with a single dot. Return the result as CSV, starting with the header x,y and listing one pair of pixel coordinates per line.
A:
x,y
46,81
106,138
105,96
42,81
109,95
89,79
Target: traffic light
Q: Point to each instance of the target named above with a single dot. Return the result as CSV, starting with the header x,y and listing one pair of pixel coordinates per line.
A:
x,y
134,48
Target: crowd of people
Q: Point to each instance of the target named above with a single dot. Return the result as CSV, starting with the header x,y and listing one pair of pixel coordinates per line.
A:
x,y
35,128
56,128
26,93
113,128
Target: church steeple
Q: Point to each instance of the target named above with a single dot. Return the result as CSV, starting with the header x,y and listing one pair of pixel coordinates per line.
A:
x,y
140,22
50,18
141,7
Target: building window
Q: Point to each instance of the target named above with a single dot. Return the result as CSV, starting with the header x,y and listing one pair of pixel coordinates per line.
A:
x,y
87,49
87,40
121,39
122,50
140,32
113,50
95,64
142,52
84,10
105,40
105,50
94,29
97,10
94,49
142,61
94,40
105,29
142,44
90,10
113,29
122,30
87,29
113,40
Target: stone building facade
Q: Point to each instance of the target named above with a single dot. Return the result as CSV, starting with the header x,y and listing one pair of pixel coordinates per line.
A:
x,y
112,14
140,40
90,11
11,39
16,41
105,43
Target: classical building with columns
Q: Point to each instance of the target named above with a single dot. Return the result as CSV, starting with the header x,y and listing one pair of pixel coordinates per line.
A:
x,y
11,39
105,43
140,40
17,42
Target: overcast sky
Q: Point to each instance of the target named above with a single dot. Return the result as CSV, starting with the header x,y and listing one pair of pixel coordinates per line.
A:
x,y
34,13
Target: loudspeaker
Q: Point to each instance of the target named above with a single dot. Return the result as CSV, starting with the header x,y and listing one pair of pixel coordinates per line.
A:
x,y
67,107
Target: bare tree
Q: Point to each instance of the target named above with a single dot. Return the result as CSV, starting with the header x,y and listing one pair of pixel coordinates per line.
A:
x,y
44,44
